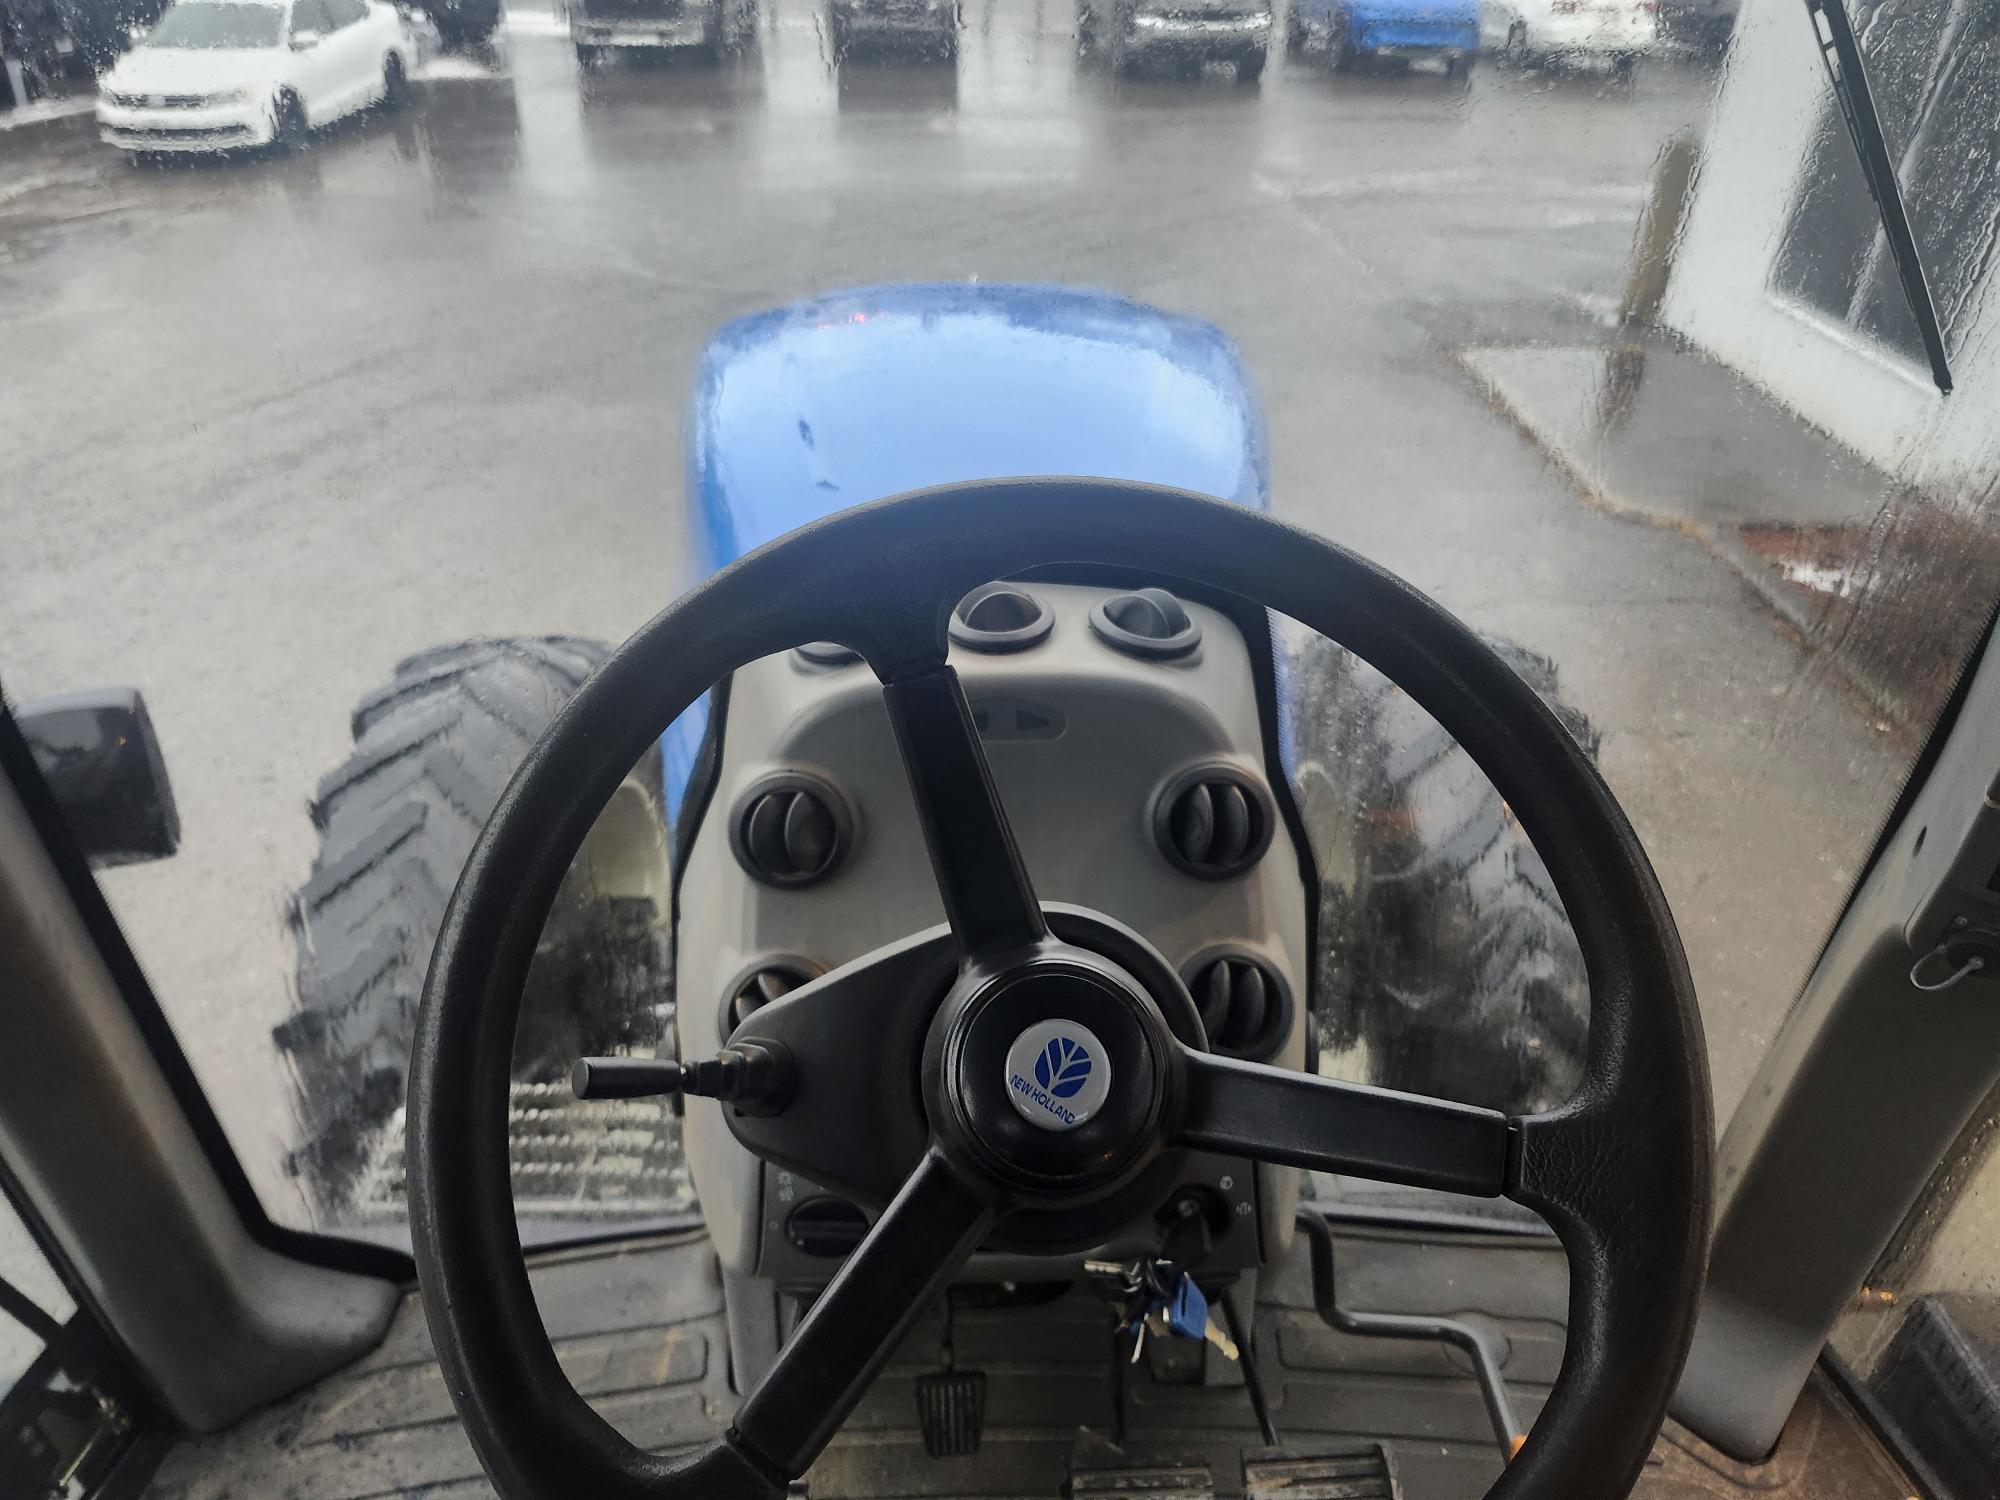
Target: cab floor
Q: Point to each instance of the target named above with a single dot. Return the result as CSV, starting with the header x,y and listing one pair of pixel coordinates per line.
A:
x,y
639,1329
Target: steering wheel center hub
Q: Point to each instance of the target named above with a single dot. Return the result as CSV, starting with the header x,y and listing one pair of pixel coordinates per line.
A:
x,y
1053,1073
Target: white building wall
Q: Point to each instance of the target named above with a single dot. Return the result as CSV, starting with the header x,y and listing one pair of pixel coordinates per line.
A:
x,y
1759,142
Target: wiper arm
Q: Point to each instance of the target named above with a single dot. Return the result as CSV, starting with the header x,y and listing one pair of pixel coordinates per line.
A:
x,y
1842,56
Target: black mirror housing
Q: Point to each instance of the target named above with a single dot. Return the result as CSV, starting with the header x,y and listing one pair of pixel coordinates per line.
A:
x,y
101,759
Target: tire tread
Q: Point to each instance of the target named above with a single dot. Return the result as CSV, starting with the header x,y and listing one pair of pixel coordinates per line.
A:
x,y
1445,956
433,750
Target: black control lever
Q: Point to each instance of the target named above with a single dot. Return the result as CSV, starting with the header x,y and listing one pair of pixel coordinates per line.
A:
x,y
755,1076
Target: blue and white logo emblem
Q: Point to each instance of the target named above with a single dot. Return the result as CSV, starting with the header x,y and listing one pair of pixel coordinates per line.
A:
x,y
1057,1074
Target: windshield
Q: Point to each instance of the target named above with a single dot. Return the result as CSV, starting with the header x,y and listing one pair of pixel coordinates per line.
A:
x,y
355,437
209,25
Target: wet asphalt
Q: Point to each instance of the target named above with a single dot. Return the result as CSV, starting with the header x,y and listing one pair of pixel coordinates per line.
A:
x,y
272,424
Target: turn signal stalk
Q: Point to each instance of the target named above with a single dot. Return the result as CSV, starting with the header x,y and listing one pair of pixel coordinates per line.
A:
x,y
755,1076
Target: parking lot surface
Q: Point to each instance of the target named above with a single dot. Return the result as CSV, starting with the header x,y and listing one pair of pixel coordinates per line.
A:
x,y
273,424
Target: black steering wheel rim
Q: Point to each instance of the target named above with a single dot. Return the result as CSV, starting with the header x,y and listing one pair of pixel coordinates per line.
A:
x,y
1621,1171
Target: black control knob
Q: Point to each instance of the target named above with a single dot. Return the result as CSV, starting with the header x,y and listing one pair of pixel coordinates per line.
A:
x,y
754,1075
624,1077
825,1227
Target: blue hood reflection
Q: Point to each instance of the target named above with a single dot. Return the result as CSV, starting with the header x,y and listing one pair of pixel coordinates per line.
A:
x,y
812,408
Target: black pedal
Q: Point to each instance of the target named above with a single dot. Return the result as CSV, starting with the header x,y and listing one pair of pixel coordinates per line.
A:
x,y
1345,1471
951,1409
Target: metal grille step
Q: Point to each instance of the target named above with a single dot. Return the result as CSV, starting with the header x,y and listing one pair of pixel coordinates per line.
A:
x,y
1352,1471
1161,1481
570,1159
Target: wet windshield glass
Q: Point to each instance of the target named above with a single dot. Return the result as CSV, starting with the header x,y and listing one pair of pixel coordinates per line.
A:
x,y
354,420
218,25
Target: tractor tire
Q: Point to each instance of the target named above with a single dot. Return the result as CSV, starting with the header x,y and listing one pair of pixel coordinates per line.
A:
x,y
1122,55
289,130
432,753
1342,54
1446,963
469,24
395,84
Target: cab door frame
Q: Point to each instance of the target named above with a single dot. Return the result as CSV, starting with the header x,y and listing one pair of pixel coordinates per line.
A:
x,y
103,1126
1876,1071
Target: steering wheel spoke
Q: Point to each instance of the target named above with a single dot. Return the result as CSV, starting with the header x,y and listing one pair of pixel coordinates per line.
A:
x,y
987,896
1300,1120
901,1267
866,1019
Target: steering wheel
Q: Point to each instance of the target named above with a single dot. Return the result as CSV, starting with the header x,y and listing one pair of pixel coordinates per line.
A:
x,y
931,1104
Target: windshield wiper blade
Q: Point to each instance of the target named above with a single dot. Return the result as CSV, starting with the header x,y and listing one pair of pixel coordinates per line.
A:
x,y
1842,56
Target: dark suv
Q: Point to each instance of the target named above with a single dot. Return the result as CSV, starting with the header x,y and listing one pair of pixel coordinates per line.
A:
x,y
1190,32
718,26
929,24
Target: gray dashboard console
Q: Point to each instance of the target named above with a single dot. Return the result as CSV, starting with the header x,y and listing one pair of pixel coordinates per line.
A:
x,y
1124,733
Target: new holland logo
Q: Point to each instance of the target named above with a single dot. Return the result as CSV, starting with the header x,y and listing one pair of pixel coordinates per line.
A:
x,y
1057,1074
1063,1067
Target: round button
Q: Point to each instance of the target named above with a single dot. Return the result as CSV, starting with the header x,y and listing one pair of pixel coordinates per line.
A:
x,y
1058,1074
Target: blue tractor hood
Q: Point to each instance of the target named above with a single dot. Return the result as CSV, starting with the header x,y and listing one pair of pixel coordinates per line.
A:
x,y
857,395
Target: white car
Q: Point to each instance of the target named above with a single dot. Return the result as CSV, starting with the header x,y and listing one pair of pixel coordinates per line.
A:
x,y
217,74
1524,31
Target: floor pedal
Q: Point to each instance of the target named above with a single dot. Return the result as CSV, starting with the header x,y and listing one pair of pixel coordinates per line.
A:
x,y
1352,1471
1163,1481
951,1409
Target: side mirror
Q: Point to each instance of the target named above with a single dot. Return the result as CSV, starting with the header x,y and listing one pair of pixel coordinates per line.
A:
x,y
304,41
101,759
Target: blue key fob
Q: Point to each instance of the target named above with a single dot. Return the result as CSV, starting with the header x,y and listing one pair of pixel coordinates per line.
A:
x,y
1187,1312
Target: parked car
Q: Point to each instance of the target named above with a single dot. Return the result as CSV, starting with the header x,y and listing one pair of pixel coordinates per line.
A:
x,y
1357,30
1704,25
1526,31
218,74
931,24
463,23
1187,31
718,26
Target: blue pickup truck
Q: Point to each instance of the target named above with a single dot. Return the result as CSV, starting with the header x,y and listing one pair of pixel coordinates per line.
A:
x,y
1354,31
